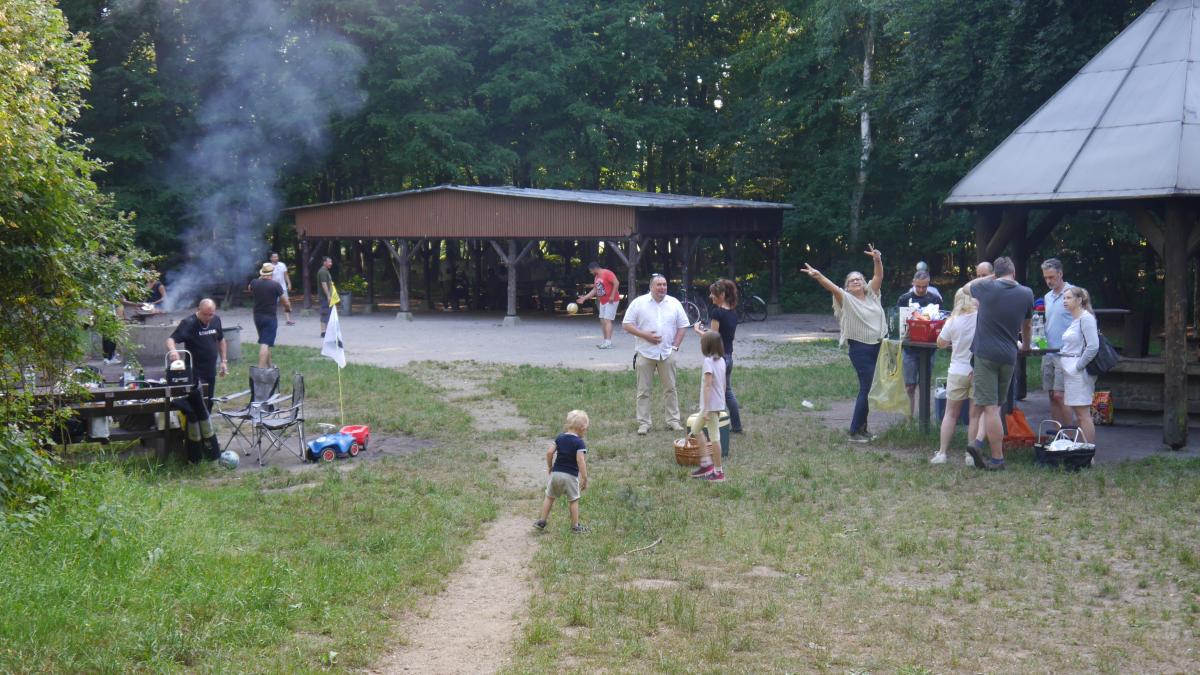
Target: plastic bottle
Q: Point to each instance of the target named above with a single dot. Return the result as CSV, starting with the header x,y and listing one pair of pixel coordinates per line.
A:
x,y
1039,330
127,375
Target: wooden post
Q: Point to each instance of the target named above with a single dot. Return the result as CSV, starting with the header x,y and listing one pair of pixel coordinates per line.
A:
x,y
730,250
370,253
773,293
403,260
305,264
687,250
511,259
1177,228
630,256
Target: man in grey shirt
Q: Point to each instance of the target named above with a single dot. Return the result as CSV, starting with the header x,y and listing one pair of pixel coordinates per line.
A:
x,y
1005,308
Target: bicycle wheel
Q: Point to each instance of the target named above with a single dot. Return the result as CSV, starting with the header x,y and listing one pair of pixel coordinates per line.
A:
x,y
692,311
756,308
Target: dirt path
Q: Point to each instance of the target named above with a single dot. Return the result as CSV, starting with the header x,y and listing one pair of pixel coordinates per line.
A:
x,y
470,626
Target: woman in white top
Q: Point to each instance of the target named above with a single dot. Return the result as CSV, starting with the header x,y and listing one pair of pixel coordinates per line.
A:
x,y
863,323
958,334
1080,342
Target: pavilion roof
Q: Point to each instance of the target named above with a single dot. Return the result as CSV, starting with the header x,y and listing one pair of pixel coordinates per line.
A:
x,y
1126,126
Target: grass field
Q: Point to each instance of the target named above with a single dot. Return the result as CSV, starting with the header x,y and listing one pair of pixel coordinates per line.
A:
x,y
175,568
817,556
814,556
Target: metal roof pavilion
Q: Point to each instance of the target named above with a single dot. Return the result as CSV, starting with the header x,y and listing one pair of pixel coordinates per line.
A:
x,y
1127,126
656,200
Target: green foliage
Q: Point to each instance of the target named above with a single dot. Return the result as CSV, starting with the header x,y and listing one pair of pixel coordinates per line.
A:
x,y
69,256
625,94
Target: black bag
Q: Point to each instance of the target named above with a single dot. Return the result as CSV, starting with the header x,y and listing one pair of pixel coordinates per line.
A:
x,y
1106,358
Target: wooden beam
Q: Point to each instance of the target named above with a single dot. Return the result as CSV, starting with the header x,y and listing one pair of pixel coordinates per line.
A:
x,y
1012,219
1043,229
1177,231
987,221
1149,226
687,251
511,258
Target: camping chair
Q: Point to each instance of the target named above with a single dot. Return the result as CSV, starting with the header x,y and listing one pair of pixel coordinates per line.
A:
x,y
271,427
264,396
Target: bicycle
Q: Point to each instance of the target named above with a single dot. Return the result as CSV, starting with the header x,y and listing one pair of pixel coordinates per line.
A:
x,y
750,307
695,306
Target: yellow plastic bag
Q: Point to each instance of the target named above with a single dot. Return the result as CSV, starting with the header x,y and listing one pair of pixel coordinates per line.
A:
x,y
887,388
334,298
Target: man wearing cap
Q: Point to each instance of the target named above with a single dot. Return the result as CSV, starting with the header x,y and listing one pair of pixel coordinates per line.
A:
x,y
268,294
604,290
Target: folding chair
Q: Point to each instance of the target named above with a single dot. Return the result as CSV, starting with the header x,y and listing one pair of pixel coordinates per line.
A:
x,y
272,427
264,396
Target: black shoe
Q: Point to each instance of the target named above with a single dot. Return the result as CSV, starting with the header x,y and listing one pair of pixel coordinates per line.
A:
x,y
539,524
735,431
995,465
976,455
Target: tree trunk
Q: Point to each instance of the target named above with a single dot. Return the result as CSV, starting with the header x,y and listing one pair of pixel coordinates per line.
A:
x,y
864,117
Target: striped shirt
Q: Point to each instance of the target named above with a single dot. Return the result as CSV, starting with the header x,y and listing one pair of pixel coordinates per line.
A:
x,y
861,319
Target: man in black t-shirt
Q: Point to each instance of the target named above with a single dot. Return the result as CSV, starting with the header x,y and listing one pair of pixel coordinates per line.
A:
x,y
268,294
921,295
201,334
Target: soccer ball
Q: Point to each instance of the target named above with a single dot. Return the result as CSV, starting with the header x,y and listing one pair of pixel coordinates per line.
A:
x,y
229,460
572,308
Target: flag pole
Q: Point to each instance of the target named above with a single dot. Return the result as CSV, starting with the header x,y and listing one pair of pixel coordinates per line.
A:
x,y
341,402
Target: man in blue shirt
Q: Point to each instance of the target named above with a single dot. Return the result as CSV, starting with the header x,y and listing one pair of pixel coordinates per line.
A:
x,y
1058,319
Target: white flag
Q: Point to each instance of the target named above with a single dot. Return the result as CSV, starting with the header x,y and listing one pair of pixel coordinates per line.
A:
x,y
332,346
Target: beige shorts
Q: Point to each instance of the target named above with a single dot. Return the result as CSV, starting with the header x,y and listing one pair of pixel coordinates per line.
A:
x,y
1053,375
959,387
607,310
563,484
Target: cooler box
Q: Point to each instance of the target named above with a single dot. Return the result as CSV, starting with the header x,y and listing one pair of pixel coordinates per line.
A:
x,y
940,403
924,331
723,425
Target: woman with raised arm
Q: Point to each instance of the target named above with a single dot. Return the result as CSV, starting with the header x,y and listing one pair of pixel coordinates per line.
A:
x,y
863,326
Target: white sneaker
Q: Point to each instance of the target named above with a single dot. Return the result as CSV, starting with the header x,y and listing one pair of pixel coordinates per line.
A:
x,y
604,345
968,461
938,458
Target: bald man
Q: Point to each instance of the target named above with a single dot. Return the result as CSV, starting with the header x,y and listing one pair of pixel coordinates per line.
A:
x,y
983,269
201,334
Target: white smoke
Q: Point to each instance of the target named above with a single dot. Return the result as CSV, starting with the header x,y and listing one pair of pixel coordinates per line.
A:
x,y
268,85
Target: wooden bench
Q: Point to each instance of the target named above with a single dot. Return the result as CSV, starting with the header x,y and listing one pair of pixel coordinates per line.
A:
x,y
136,408
1137,384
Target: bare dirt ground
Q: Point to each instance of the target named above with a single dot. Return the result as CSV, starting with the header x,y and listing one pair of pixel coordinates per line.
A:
x,y
470,626
381,340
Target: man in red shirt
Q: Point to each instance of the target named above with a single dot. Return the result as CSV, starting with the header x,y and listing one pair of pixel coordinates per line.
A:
x,y
604,289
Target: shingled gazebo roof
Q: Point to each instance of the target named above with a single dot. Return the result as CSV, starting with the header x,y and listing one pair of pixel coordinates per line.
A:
x,y
1127,126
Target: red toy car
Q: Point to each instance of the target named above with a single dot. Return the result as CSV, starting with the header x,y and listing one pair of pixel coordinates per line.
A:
x,y
360,432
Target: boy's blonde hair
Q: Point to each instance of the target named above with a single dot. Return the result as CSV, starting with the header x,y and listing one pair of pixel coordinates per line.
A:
x,y
577,420
711,344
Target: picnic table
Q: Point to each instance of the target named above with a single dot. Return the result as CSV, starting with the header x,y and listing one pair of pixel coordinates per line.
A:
x,y
135,414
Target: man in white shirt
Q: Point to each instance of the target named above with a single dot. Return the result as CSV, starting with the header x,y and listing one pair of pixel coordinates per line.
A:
x,y
280,276
659,323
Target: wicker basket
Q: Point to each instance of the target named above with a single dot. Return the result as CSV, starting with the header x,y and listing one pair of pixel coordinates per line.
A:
x,y
688,451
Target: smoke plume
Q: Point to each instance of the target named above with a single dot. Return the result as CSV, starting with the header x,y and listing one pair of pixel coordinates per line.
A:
x,y
266,85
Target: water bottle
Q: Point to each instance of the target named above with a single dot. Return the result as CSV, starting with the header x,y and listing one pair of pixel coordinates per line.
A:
x,y
1039,330
127,375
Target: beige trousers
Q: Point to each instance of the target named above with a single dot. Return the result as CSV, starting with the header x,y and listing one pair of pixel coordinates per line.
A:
x,y
646,368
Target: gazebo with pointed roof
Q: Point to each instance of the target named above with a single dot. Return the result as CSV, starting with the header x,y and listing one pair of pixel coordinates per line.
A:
x,y
1123,133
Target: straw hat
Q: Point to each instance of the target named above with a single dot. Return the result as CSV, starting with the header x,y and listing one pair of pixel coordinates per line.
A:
x,y
266,270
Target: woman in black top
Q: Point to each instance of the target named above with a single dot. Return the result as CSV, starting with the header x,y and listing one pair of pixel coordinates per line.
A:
x,y
723,319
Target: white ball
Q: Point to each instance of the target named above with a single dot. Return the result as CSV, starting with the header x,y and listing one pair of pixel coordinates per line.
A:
x,y
572,308
229,460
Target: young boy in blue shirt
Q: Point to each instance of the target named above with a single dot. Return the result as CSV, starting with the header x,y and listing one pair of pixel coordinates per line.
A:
x,y
567,465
